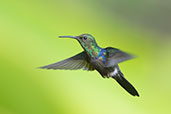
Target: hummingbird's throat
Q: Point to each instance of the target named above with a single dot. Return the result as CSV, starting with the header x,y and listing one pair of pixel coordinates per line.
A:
x,y
92,49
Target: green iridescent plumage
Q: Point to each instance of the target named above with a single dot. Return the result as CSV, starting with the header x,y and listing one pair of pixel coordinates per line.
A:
x,y
104,60
89,45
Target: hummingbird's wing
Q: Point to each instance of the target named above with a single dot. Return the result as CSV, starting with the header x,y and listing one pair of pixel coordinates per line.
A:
x,y
78,61
115,56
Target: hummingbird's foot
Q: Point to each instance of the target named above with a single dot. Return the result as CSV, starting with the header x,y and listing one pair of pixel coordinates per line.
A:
x,y
108,76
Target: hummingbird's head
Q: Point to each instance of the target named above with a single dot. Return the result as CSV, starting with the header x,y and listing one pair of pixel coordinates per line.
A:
x,y
86,38
87,41
83,38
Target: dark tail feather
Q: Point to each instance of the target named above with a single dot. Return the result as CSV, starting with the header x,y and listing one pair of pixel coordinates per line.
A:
x,y
125,84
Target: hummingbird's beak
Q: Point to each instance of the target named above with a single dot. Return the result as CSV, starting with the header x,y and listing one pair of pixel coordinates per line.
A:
x,y
74,37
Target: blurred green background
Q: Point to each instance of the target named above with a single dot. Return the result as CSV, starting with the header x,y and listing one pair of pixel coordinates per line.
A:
x,y
28,39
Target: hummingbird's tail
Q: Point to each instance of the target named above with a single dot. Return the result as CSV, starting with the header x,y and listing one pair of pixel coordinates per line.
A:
x,y
119,77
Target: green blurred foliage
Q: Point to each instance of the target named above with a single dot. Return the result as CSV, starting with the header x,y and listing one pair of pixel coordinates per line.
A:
x,y
28,39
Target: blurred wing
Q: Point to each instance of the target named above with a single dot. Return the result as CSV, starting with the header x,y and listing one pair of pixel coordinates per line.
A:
x,y
78,61
115,56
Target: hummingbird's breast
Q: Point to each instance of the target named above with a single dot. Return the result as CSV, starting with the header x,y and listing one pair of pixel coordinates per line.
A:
x,y
99,61
102,56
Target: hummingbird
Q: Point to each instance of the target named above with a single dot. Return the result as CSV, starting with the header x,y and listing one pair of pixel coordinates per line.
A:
x,y
104,60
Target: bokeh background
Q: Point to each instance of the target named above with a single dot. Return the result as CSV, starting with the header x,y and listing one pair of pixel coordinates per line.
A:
x,y
28,39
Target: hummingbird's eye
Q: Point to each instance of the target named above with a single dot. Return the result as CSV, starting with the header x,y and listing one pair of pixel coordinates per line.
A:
x,y
85,38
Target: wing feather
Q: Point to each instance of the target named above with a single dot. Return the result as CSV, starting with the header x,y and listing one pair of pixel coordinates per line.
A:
x,y
115,56
78,61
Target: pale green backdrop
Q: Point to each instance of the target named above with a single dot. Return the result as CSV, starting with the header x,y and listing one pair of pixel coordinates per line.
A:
x,y
29,33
